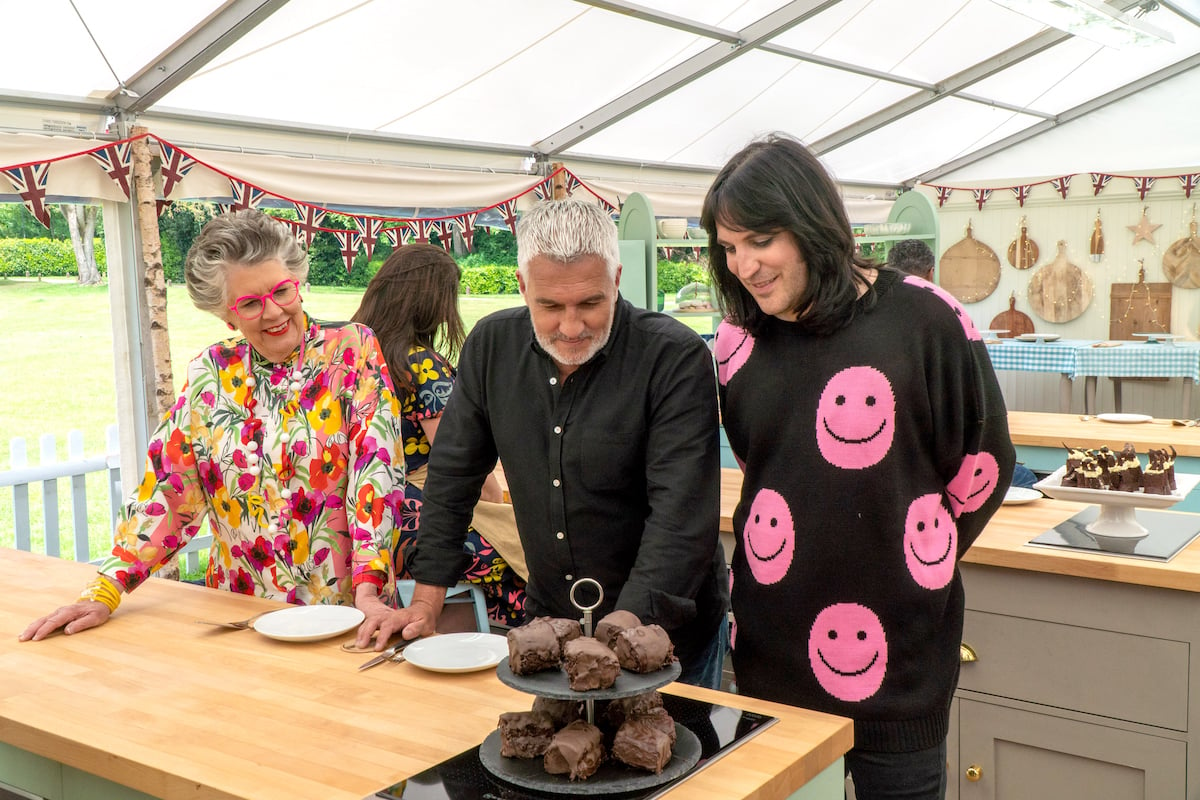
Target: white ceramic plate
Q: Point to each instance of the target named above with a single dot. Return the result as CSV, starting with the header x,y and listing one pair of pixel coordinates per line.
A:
x,y
457,652
1124,418
1161,337
309,623
1037,337
1052,485
1016,495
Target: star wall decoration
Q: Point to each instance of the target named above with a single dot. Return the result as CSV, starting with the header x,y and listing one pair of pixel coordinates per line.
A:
x,y
1143,230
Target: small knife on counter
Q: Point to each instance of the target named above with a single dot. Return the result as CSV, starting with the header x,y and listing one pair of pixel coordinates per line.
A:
x,y
390,654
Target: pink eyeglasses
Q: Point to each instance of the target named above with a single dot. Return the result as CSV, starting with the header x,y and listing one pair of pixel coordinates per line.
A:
x,y
251,306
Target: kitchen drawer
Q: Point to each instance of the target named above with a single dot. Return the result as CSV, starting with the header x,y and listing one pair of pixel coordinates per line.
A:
x,y
1119,675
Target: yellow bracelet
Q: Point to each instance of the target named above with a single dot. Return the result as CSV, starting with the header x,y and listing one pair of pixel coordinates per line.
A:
x,y
103,591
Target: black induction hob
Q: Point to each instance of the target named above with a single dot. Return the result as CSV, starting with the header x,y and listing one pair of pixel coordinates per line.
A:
x,y
463,777
1168,534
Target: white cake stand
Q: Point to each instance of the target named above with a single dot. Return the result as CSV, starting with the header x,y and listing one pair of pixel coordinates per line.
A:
x,y
1116,528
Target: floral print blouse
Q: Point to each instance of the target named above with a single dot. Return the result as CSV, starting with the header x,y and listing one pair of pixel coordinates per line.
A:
x,y
316,520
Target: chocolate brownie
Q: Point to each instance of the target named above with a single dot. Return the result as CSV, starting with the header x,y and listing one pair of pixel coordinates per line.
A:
x,y
533,647
642,744
575,751
590,665
645,648
612,624
525,734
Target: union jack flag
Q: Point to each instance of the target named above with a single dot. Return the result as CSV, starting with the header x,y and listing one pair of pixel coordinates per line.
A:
x,y
369,229
292,226
115,159
1099,181
508,210
445,232
1189,182
609,207
245,196
544,190
572,183
1022,194
30,182
943,194
348,245
311,218
1062,185
1143,186
162,205
466,226
422,228
981,196
176,164
398,236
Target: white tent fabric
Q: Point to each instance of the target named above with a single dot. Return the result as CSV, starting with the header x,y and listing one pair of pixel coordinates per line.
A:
x,y
888,92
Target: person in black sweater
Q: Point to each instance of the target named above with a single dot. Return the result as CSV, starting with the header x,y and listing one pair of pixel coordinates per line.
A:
x,y
875,446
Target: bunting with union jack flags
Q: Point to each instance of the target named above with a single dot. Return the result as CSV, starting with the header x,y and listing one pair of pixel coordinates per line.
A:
x,y
508,210
116,160
1143,186
398,236
1099,181
1062,185
29,181
245,196
369,229
309,223
466,227
943,194
348,246
176,164
544,190
981,196
1189,182
1021,193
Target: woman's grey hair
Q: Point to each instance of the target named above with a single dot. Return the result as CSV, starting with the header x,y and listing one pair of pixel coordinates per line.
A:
x,y
237,238
566,231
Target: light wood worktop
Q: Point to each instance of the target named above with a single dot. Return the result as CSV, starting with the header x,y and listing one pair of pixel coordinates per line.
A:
x,y
1040,429
131,702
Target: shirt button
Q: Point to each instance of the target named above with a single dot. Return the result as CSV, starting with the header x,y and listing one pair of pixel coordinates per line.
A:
x,y
557,482
569,577
561,535
558,429
554,381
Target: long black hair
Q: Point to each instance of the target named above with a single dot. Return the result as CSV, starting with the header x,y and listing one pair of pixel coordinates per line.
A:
x,y
776,184
413,300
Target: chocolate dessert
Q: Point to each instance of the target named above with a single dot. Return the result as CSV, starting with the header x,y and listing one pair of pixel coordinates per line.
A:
x,y
525,734
645,648
565,629
1127,474
612,624
575,751
622,708
642,744
1154,478
561,712
590,665
533,647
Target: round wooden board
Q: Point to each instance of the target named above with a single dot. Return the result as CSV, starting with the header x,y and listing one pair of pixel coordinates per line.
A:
x,y
1012,321
969,270
1060,291
1181,261
1022,251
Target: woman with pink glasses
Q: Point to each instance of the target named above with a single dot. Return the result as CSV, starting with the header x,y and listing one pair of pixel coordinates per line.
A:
x,y
285,443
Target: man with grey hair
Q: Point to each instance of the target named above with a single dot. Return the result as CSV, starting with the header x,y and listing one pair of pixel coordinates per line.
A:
x,y
912,256
605,418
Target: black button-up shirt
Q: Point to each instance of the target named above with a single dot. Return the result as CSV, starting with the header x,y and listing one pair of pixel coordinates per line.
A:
x,y
614,472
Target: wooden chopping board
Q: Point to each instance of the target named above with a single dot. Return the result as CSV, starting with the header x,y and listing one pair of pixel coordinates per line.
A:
x,y
1181,262
1012,321
969,270
1023,251
1060,291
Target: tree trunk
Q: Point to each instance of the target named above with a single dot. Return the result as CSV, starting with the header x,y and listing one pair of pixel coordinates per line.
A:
x,y
83,230
154,290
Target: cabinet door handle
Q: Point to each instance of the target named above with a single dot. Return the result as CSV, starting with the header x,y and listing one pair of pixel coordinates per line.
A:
x,y
974,773
966,653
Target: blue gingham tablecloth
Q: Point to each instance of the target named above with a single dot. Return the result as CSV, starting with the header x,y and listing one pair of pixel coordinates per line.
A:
x,y
1058,356
1140,360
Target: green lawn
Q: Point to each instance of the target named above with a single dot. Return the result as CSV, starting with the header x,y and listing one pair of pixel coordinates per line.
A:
x,y
58,375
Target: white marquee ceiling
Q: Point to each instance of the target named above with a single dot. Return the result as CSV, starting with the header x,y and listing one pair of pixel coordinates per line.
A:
x,y
888,92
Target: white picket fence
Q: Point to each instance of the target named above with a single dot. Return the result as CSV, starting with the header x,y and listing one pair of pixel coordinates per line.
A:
x,y
21,475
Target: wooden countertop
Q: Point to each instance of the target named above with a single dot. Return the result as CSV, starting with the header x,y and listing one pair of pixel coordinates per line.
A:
x,y
132,700
1040,429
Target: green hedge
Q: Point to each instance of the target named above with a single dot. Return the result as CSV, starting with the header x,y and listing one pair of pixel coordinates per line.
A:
x,y
42,258
490,279
674,275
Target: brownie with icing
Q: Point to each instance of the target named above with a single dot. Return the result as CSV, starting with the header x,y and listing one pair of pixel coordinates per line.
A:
x,y
645,648
525,734
575,751
590,665
533,647
612,624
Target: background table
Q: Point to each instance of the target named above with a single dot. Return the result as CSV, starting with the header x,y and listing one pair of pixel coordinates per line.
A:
x,y
1138,360
1059,356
